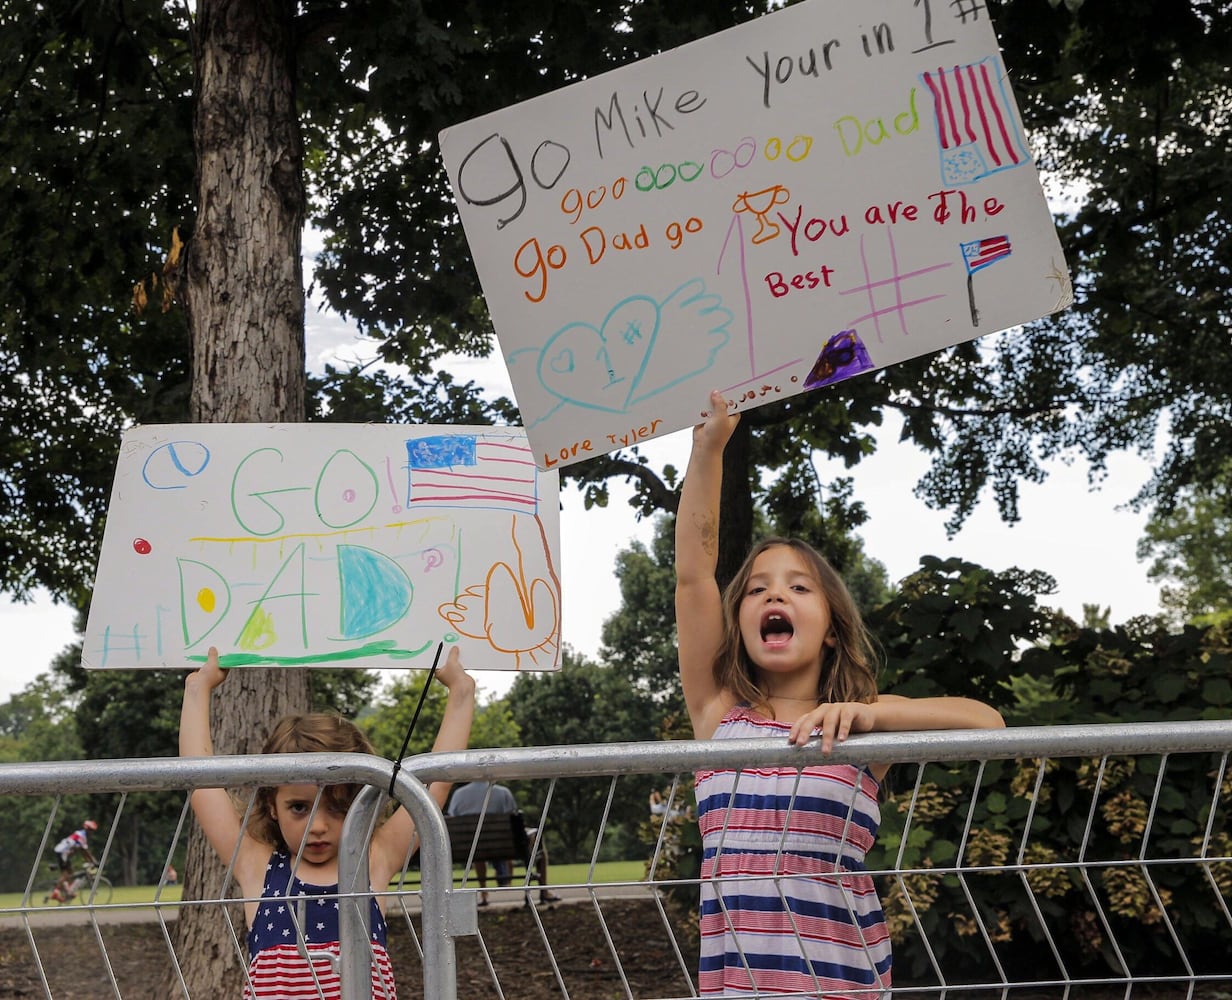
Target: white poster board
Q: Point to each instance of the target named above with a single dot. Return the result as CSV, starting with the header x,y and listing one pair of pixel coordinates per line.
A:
x,y
327,545
829,189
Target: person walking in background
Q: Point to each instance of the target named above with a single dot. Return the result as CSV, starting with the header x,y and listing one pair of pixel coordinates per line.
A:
x,y
484,797
786,906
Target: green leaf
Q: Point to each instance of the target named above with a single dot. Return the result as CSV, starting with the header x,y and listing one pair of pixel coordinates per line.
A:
x,y
943,852
1217,691
1169,687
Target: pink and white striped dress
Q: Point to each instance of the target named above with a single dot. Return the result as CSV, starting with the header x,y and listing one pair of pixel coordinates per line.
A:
x,y
786,904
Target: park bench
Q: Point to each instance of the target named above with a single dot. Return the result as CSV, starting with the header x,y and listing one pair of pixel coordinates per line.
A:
x,y
491,837
500,837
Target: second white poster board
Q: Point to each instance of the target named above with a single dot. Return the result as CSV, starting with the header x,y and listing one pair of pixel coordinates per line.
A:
x,y
327,545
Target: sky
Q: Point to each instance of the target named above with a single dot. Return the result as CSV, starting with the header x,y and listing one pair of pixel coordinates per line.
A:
x,y
1084,538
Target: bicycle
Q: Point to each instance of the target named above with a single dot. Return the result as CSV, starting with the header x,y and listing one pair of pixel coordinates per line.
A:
x,y
85,885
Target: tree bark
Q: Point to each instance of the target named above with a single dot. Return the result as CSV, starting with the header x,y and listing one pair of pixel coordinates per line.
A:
x,y
244,294
245,281
131,849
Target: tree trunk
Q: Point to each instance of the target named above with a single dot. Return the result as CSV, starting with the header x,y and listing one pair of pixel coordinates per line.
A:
x,y
244,295
245,282
132,852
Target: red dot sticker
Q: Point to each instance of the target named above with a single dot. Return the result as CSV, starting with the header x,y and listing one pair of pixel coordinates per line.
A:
x,y
142,547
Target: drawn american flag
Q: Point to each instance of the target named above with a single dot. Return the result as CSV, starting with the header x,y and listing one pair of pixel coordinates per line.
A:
x,y
978,254
972,111
471,473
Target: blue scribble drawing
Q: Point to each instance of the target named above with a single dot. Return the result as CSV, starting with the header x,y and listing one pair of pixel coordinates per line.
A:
x,y
170,464
375,591
441,452
975,121
624,360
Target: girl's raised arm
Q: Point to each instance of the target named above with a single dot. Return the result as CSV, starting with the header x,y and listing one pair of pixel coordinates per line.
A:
x,y
212,806
699,609
392,842
455,730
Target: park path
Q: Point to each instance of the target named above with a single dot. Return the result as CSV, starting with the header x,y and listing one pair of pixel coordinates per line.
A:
x,y
133,913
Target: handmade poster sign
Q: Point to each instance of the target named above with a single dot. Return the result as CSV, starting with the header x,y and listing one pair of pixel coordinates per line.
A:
x,y
832,188
327,545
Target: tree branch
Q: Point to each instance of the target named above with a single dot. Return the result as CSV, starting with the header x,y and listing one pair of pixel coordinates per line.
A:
x,y
649,482
994,411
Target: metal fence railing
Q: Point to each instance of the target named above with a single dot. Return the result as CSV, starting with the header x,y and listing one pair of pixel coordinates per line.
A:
x,y
1028,861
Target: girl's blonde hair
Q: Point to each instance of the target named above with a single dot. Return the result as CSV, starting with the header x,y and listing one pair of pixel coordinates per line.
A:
x,y
848,667
313,732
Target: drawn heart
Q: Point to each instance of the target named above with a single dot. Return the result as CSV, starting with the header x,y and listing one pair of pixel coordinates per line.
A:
x,y
693,328
607,363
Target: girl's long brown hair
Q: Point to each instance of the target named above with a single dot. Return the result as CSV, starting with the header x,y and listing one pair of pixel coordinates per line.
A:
x,y
848,668
313,732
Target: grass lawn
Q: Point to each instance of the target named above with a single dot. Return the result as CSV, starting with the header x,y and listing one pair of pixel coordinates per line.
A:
x,y
121,894
608,871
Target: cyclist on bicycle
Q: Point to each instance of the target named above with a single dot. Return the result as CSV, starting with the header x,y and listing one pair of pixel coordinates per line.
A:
x,y
75,843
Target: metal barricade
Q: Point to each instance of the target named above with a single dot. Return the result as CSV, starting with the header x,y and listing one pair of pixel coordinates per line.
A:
x,y
176,773
1172,765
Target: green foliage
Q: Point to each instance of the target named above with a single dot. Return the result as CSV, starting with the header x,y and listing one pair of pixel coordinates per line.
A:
x,y
581,703
360,396
955,628
37,724
95,171
639,639
798,505
346,692
1129,110
1190,546
1135,673
395,259
387,722
1139,672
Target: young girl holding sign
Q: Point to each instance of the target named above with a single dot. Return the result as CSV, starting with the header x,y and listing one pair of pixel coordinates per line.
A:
x,y
288,852
785,904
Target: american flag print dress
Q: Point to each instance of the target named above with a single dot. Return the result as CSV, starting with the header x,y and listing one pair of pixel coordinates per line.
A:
x,y
787,906
291,914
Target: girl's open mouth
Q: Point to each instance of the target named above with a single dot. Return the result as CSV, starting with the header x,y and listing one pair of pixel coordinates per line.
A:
x,y
776,629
